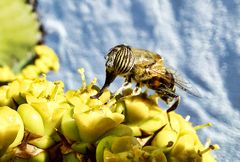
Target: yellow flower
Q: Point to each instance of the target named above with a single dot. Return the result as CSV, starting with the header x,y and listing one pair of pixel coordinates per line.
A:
x,y
6,74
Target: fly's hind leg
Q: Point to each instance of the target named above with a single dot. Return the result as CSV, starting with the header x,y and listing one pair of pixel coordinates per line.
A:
x,y
127,83
137,89
172,108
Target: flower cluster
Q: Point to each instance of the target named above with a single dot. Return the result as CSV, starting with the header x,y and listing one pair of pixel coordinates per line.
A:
x,y
45,60
39,121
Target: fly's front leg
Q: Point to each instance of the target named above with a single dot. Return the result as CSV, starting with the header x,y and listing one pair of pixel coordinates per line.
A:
x,y
127,84
172,108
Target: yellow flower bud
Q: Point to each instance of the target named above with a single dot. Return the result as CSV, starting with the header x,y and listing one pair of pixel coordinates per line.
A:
x,y
6,74
42,142
93,124
165,139
68,126
10,118
32,120
30,72
135,109
4,100
41,66
50,58
13,90
143,113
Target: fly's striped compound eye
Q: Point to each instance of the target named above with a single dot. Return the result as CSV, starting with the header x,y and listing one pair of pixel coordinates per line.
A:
x,y
120,60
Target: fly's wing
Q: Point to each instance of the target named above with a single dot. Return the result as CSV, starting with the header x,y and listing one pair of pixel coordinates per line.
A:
x,y
155,67
183,83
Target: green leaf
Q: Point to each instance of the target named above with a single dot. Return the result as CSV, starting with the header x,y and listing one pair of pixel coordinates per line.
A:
x,y
19,33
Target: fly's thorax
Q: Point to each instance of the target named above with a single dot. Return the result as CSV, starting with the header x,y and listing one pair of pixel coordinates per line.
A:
x,y
147,70
143,56
120,60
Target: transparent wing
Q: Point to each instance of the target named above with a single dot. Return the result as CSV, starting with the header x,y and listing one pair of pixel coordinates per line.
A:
x,y
184,84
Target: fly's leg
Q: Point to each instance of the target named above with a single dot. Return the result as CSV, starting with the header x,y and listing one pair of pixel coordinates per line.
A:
x,y
137,90
172,108
127,84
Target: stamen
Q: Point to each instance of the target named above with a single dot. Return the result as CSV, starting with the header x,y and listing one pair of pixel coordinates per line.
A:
x,y
54,92
208,142
89,87
81,72
202,126
210,148
187,118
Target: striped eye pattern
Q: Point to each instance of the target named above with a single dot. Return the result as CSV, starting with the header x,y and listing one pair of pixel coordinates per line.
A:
x,y
120,59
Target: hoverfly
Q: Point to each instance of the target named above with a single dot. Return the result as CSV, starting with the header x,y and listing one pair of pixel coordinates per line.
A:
x,y
146,69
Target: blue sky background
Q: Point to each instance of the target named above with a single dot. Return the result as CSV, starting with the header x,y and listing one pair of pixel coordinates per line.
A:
x,y
200,39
